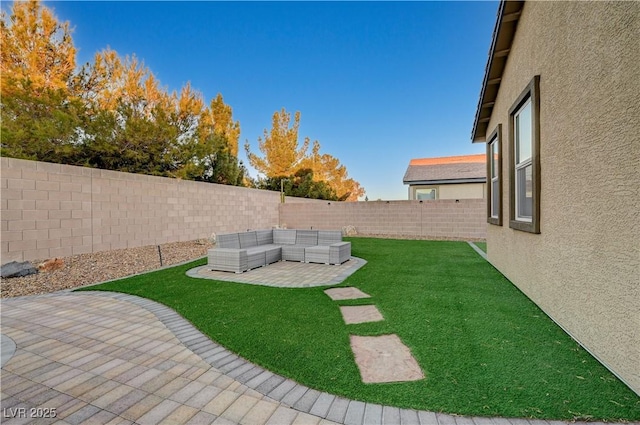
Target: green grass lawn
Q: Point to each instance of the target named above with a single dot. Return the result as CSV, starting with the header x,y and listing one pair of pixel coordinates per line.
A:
x,y
482,246
484,347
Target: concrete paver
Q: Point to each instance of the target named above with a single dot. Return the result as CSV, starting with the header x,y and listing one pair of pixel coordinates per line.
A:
x,y
345,293
384,359
360,314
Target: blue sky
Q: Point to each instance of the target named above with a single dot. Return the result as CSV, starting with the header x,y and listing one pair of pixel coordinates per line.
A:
x,y
377,83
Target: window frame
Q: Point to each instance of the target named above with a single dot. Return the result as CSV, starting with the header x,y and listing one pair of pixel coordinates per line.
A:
x,y
494,139
531,93
426,187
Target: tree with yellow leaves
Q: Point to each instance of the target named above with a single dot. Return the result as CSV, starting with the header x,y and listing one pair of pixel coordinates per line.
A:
x,y
37,60
36,48
283,159
112,114
327,168
218,120
280,147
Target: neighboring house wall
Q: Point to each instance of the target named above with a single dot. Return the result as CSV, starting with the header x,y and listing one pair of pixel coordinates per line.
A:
x,y
462,191
453,191
583,269
449,177
53,210
440,219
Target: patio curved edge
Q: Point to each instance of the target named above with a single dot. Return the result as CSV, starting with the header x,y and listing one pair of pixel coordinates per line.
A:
x,y
297,396
277,274
7,349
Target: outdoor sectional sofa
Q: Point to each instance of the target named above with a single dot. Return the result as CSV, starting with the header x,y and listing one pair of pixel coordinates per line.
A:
x,y
239,252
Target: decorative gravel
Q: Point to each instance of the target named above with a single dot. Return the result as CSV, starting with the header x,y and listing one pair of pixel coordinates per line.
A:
x,y
85,269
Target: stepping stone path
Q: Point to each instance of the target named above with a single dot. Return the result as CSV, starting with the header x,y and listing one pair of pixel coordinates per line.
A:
x,y
348,293
379,358
360,314
384,359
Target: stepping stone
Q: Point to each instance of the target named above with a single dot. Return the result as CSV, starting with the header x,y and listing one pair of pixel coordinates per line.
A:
x,y
384,359
348,293
360,314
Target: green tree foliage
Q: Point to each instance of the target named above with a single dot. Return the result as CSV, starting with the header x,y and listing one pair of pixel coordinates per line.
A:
x,y
127,141
40,127
111,114
218,119
39,117
301,184
215,163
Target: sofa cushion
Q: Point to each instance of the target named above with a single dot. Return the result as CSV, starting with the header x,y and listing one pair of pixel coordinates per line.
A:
x,y
328,237
248,239
306,237
264,237
229,240
284,236
293,252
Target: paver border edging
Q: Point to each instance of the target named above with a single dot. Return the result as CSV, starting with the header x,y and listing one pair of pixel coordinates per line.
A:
x,y
276,387
7,349
289,392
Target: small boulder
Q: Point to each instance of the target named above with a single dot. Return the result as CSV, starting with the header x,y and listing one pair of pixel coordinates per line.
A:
x,y
349,230
16,269
51,265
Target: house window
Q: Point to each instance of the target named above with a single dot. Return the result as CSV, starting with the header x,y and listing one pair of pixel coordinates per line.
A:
x,y
494,171
426,193
523,164
524,176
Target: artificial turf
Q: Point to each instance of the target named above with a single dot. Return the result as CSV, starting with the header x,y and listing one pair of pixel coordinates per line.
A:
x,y
484,347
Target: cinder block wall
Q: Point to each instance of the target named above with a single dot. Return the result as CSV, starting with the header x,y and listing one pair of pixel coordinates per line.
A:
x,y
441,219
53,210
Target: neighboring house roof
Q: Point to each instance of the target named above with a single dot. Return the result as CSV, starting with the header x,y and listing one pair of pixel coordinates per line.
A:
x,y
447,170
503,33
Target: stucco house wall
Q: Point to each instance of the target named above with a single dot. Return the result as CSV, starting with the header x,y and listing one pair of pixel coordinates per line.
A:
x,y
452,191
583,269
462,191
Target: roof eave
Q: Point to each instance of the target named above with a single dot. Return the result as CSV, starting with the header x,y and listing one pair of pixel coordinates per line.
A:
x,y
447,181
503,33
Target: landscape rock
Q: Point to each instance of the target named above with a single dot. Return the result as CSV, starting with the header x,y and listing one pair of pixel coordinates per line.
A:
x,y
349,230
51,265
83,269
16,269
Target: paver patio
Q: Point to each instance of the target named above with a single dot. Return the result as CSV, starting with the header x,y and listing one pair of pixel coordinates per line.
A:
x,y
286,274
100,357
96,359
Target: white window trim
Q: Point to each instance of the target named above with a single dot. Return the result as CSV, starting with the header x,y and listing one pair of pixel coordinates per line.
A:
x,y
521,165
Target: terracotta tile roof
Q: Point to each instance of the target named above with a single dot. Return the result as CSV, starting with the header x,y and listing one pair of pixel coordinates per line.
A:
x,y
451,169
